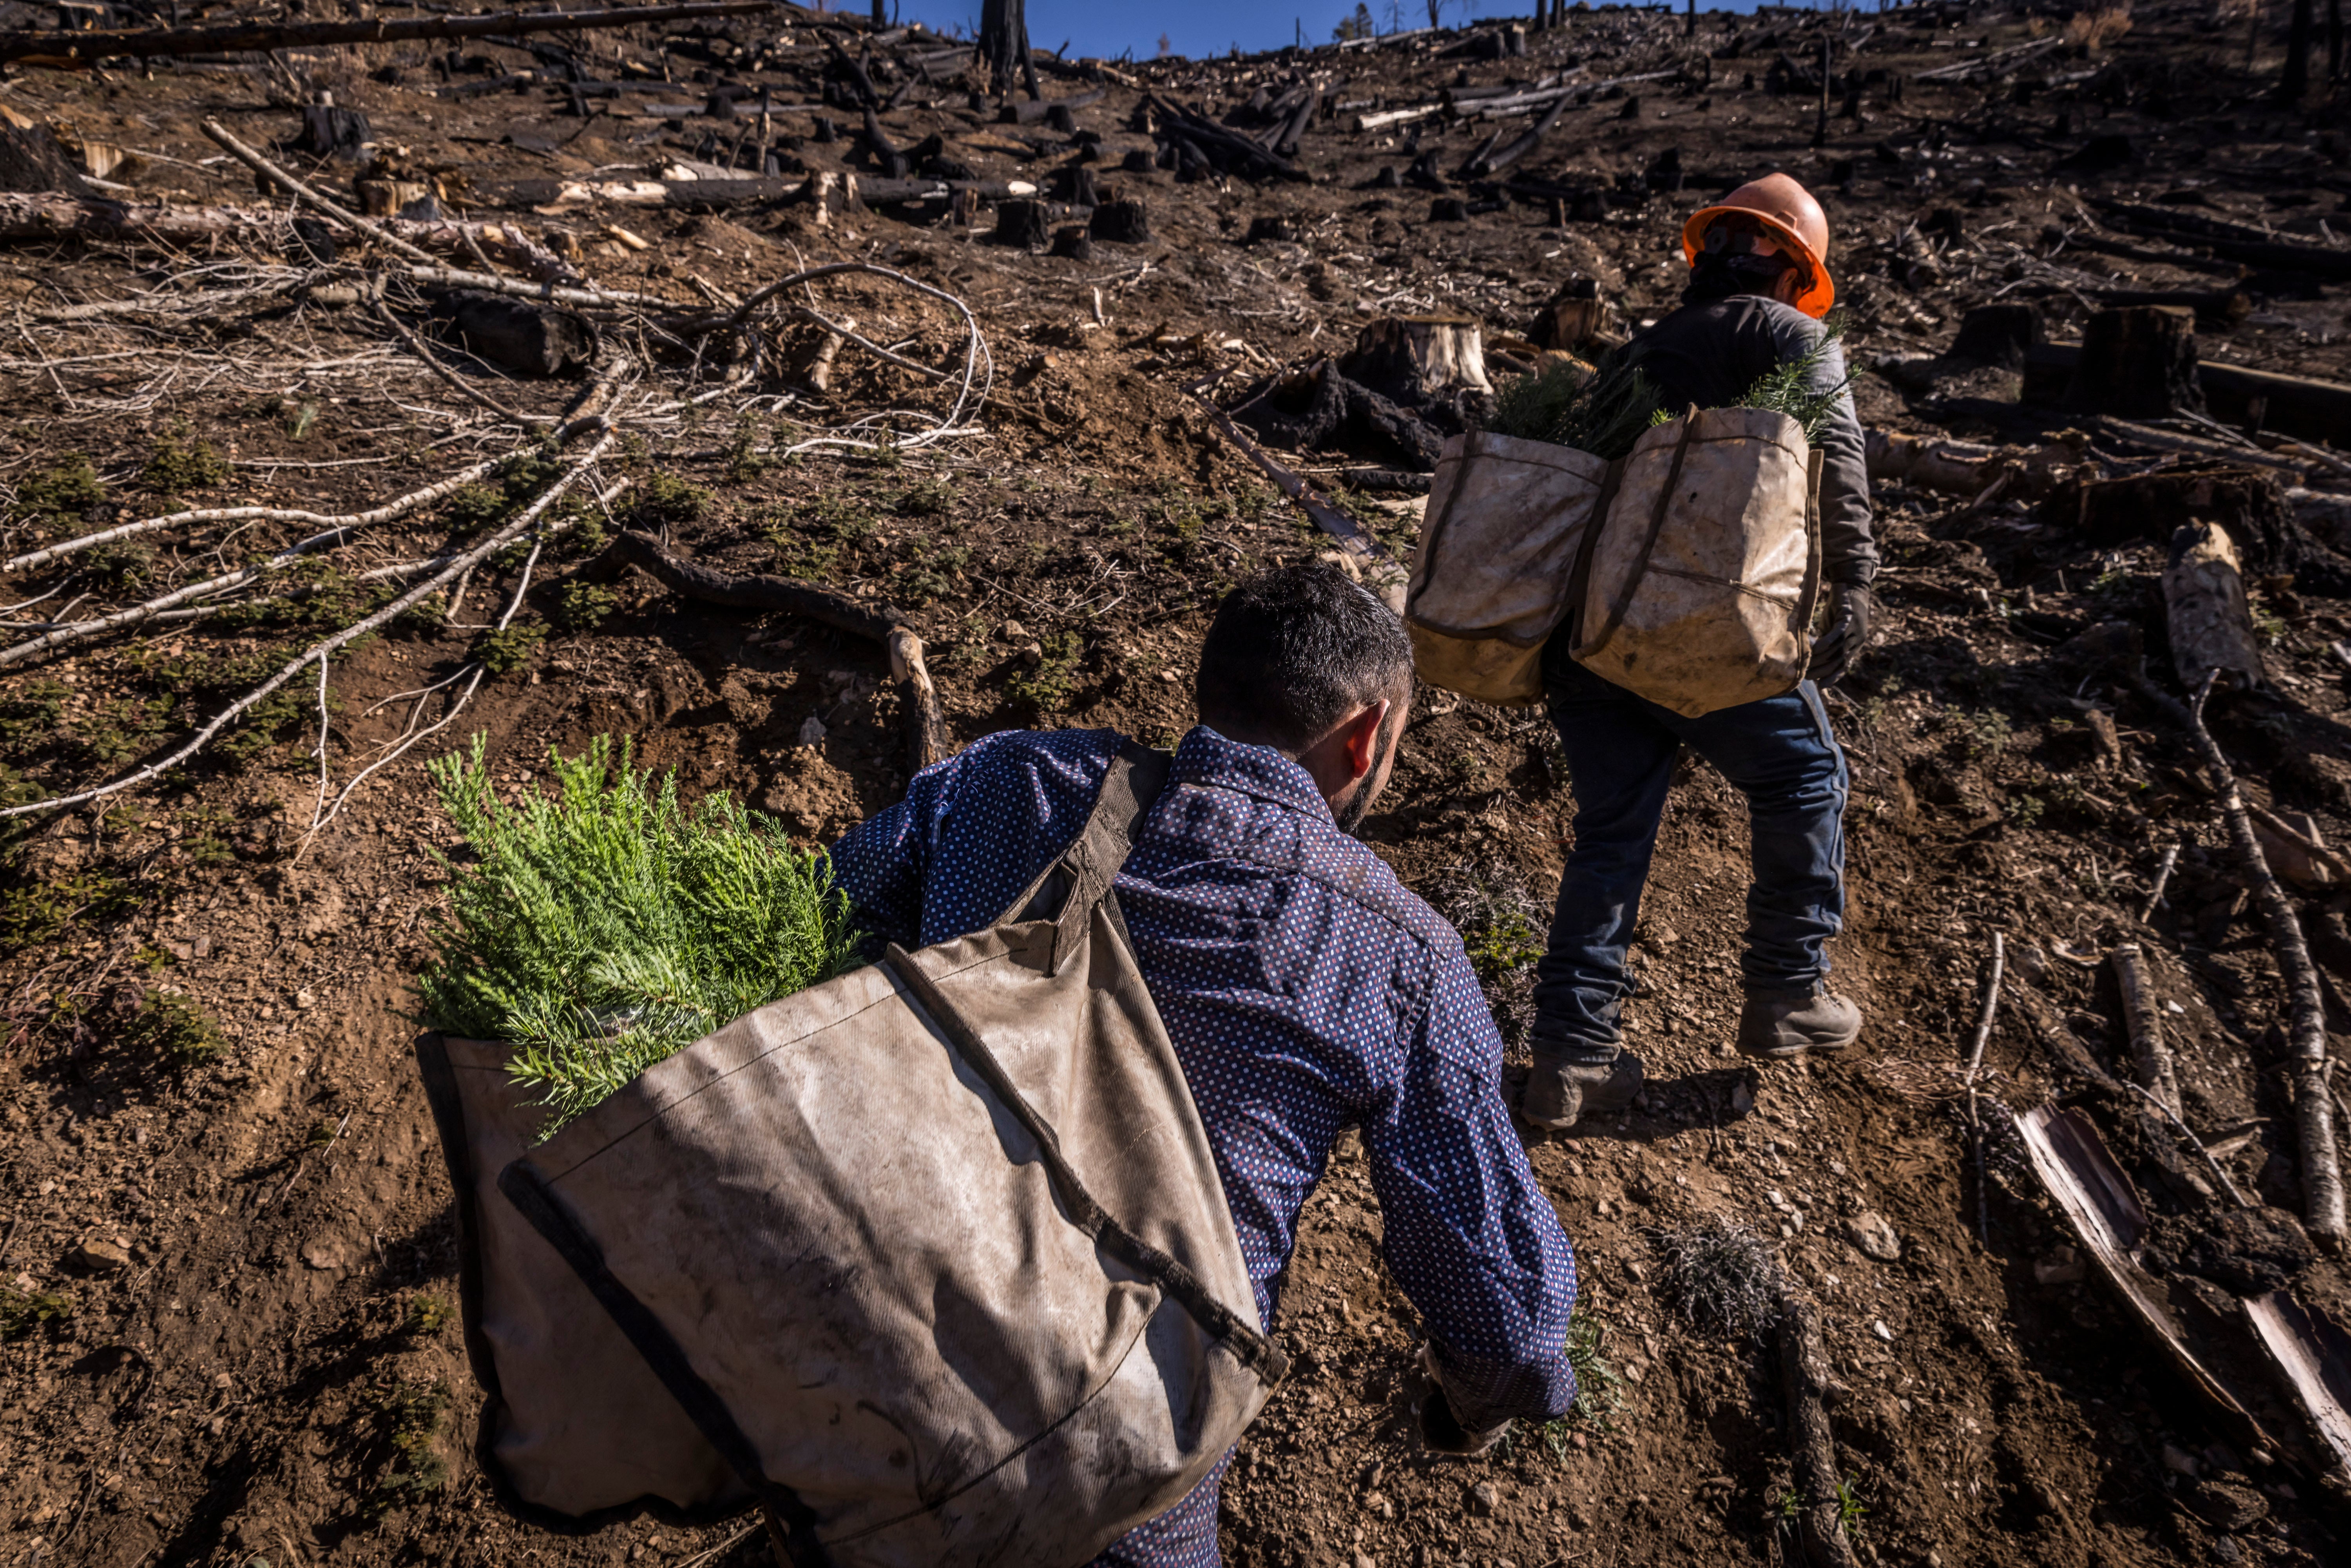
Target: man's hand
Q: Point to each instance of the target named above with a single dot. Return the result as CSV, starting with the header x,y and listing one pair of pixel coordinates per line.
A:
x,y
1848,630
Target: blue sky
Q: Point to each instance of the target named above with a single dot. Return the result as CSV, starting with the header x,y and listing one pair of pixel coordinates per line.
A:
x,y
1199,27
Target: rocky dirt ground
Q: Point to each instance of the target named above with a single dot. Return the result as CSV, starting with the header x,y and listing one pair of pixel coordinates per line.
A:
x,y
226,1274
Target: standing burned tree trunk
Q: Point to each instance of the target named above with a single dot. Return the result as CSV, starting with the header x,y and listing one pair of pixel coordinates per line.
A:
x,y
1003,45
2294,84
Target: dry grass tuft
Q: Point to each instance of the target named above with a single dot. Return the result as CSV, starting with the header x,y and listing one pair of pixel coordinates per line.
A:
x,y
1726,1277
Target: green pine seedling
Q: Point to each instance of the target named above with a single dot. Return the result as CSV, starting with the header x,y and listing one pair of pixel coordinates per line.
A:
x,y
605,928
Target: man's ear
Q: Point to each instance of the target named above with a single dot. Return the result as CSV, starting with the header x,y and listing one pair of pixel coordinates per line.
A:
x,y
1362,739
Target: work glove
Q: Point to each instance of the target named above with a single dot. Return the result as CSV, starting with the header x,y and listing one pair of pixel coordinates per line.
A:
x,y
1440,1429
1848,630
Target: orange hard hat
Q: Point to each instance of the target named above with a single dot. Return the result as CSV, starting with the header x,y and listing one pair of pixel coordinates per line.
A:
x,y
1792,214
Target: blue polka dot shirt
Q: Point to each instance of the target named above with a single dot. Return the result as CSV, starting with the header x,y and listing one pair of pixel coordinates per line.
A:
x,y
1305,991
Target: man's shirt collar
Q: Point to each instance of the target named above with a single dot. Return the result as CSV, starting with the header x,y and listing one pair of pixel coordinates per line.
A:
x,y
1208,759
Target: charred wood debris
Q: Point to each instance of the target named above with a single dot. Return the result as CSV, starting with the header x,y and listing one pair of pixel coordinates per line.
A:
x,y
2095,300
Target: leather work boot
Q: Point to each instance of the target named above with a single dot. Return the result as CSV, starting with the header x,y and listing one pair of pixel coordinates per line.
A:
x,y
1780,1025
1571,1082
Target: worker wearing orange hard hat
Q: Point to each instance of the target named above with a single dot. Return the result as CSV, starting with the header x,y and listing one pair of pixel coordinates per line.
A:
x,y
1759,286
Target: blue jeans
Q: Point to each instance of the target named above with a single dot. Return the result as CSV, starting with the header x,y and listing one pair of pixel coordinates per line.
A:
x,y
1620,751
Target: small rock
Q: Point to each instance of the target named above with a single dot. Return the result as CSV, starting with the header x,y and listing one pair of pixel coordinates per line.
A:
x,y
1663,935
306,998
1031,654
1365,1560
2226,1550
1373,1472
1013,631
2179,1460
323,1252
101,1255
2063,1266
1742,1099
1870,1232
1881,1331
811,731
1484,1500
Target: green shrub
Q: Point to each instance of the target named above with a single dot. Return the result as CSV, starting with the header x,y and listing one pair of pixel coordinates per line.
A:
x,y
70,490
507,648
1049,687
172,1027
664,500
179,465
22,1312
580,606
413,1416
926,498
604,929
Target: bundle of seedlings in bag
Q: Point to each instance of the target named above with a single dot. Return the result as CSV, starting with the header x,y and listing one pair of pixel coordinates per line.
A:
x,y
605,927
1601,411
1787,390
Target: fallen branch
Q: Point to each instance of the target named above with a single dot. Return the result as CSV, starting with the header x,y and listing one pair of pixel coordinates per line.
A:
x,y
1805,1371
76,51
2162,879
2292,835
926,730
2322,1175
327,645
741,590
1975,1065
2149,1050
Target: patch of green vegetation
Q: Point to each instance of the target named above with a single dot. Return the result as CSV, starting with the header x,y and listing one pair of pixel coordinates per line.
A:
x,y
745,461
29,716
114,732
2025,810
411,1415
305,414
1851,1510
1504,945
428,1315
929,575
1599,1389
925,498
267,724
179,465
508,647
605,927
66,490
664,501
175,1028
33,912
204,837
316,595
810,545
125,563
470,508
581,606
1049,687
22,1311
1463,765
1982,733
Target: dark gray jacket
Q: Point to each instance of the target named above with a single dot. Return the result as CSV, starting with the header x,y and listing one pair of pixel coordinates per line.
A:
x,y
1710,354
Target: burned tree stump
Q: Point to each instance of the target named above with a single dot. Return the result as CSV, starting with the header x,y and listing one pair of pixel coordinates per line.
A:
x,y
1571,318
1999,335
1272,226
518,337
1073,241
331,132
1125,222
1415,360
2204,599
1023,223
2137,362
35,163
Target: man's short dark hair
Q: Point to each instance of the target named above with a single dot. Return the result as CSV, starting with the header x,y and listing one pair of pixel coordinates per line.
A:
x,y
1295,649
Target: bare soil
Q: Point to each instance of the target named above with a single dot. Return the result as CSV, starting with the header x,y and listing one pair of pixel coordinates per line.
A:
x,y
233,1204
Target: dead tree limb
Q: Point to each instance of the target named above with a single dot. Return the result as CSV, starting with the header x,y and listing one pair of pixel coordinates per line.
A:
x,y
2322,1176
80,50
1503,157
1975,1065
327,645
741,590
1809,1384
2149,1050
926,728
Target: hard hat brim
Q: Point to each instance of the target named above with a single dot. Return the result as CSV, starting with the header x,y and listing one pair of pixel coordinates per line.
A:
x,y
1818,296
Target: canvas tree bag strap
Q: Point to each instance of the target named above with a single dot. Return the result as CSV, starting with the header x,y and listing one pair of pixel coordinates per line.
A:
x,y
1632,584
1067,891
1578,576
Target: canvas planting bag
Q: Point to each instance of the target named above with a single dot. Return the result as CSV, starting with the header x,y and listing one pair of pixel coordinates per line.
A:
x,y
933,1257
1506,523
1703,577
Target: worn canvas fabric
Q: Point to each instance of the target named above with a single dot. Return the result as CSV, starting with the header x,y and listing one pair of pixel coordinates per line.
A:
x,y
935,1255
1706,566
553,1439
1493,578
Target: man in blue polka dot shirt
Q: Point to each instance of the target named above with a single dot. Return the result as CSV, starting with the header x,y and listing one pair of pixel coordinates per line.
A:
x,y
1304,988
